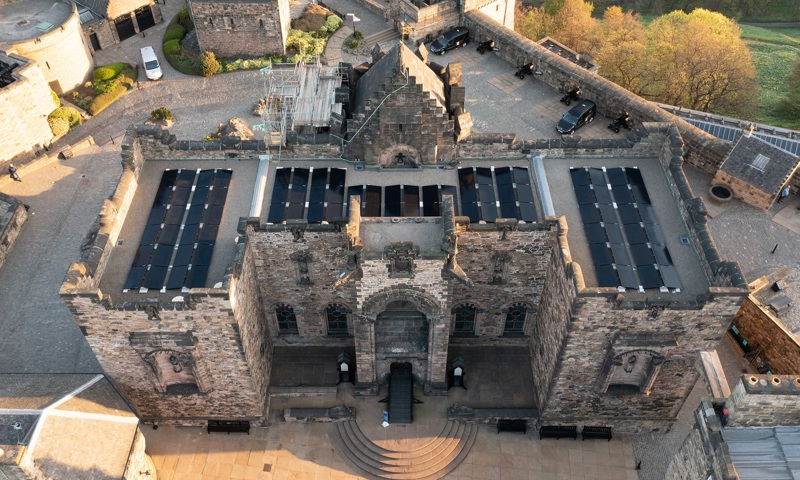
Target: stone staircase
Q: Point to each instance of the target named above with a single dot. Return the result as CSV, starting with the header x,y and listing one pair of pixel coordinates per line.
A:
x,y
380,37
424,459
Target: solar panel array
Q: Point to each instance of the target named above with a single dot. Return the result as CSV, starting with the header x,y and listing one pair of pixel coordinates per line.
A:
x,y
314,194
732,134
625,239
401,200
178,240
489,193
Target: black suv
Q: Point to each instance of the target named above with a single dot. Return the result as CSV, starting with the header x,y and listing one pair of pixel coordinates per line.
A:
x,y
577,116
450,39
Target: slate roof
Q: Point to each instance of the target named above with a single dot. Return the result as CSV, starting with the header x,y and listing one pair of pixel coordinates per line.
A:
x,y
112,9
395,62
759,453
776,172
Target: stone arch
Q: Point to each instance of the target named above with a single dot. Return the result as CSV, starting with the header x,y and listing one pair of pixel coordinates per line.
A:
x,y
378,302
175,372
410,155
632,371
530,315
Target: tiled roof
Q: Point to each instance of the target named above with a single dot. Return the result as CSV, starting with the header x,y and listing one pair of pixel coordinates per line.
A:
x,y
760,164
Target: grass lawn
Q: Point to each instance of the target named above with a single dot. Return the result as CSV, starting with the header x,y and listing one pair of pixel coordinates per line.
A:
x,y
778,36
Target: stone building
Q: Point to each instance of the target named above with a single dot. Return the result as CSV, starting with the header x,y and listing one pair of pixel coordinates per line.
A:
x,y
235,28
108,22
389,250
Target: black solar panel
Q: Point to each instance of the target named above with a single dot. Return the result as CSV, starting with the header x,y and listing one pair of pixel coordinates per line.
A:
x,y
634,177
204,179
208,233
177,277
183,256
642,255
162,255
614,233
527,212
649,276
467,185
597,176
603,194
355,191
525,193
180,196
622,195
150,234
607,276
174,215
280,193
628,214
202,254
155,277
648,214
143,255
162,196
580,176
200,196
653,232
297,193
620,253
662,254
196,213
392,206
670,276
608,213
410,201
222,178
589,213
601,254
156,216
189,234
430,201
185,178
169,234
634,233
196,277
595,233
334,196
316,196
627,277
640,194
616,177
135,277
585,195
217,196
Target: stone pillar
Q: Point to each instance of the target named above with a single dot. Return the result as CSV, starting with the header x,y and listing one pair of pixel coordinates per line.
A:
x,y
438,341
367,383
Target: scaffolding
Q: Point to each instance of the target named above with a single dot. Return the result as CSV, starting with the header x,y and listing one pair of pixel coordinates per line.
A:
x,y
299,95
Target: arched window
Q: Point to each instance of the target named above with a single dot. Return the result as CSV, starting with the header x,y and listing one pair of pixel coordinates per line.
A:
x,y
336,314
287,321
175,372
464,319
515,319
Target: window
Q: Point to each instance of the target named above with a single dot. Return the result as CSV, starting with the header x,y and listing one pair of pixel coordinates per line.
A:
x,y
464,319
760,162
261,23
337,320
287,321
515,319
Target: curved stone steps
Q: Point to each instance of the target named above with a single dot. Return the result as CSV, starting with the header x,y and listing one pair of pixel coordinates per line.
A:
x,y
429,459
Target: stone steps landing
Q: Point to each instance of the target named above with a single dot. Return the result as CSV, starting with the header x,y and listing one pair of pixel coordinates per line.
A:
x,y
430,458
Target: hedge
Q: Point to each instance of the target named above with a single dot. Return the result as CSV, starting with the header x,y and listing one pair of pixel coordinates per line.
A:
x,y
126,81
107,72
58,126
69,114
174,32
172,47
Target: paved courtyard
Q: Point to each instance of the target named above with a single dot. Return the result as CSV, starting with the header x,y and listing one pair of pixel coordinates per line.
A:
x,y
38,334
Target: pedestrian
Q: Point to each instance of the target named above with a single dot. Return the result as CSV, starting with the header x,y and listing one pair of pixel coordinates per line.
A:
x,y
12,171
784,193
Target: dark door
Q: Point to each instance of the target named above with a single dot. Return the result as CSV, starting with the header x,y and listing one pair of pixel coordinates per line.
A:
x,y
95,42
124,26
144,18
401,393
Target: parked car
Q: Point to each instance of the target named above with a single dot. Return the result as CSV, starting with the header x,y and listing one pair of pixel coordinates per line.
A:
x,y
577,116
457,37
152,69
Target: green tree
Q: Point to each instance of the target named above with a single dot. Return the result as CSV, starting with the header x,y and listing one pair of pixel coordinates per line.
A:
x,y
622,54
534,22
700,62
576,28
209,64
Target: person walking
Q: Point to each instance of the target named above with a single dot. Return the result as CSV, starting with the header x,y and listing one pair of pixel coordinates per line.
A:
x,y
784,193
12,171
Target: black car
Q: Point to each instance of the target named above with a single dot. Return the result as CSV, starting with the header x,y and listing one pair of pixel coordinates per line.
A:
x,y
450,39
577,116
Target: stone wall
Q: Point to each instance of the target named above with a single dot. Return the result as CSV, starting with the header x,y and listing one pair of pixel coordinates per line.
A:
x,y
240,28
765,401
138,460
602,330
429,21
61,53
744,191
409,121
707,151
779,348
551,325
25,104
12,217
704,453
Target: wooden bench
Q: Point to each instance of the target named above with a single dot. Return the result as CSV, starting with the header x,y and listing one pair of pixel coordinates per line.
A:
x,y
235,426
596,432
515,425
558,431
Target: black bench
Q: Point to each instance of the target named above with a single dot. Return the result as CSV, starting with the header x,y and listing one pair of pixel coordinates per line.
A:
x,y
519,425
596,432
558,431
235,426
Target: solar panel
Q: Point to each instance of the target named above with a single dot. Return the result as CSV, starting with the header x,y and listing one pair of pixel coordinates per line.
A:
x,y
527,212
640,194
410,201
622,195
607,276
635,233
202,254
316,196
297,193
608,213
213,214
162,255
487,199
580,176
648,214
466,183
280,193
614,233
208,233
169,234
603,194
597,176
155,277
392,207
177,277
189,234
670,276
595,233
204,179
162,196
372,201
200,196
143,255
509,210
196,213
616,177
135,277
334,195
620,253
649,276
196,277
653,232
471,210
642,255
634,177
627,277
217,196
183,256
503,176
601,254
355,191
589,213
174,215
662,254
628,213
156,216
180,196
185,178
150,234
524,193
222,178
430,201
584,194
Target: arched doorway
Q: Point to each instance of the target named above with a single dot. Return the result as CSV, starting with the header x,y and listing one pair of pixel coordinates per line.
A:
x,y
401,330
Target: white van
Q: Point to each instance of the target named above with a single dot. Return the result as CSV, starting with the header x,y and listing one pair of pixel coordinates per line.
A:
x,y
151,67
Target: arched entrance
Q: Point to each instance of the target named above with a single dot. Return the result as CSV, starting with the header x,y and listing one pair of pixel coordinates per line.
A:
x,y
401,324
